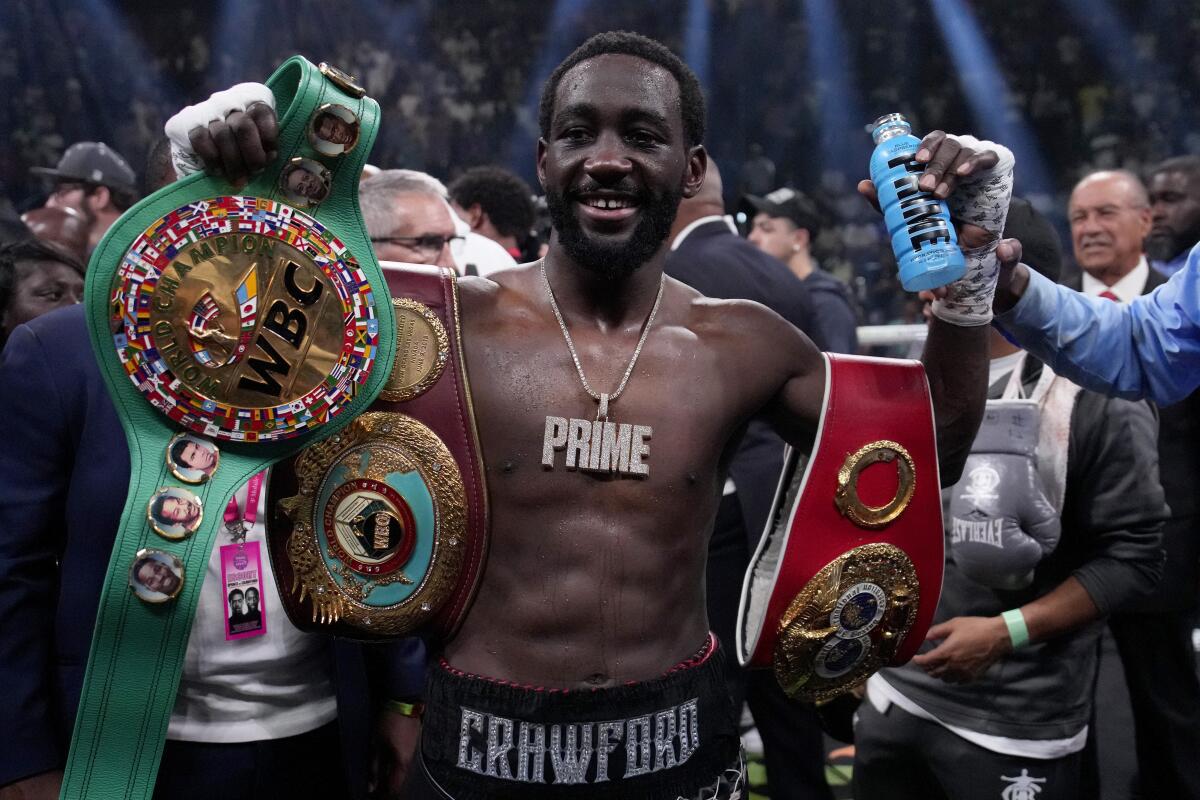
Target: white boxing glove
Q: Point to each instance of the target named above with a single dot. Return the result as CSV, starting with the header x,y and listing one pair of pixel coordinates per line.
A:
x,y
980,199
1001,521
217,107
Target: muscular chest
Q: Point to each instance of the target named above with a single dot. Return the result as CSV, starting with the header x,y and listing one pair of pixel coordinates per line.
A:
x,y
667,429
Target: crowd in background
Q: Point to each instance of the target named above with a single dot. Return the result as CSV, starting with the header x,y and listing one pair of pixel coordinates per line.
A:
x,y
456,83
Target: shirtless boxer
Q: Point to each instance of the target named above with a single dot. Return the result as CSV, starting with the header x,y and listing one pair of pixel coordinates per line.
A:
x,y
586,658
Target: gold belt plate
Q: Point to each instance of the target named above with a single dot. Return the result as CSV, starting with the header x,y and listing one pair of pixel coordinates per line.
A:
x,y
244,319
846,622
379,525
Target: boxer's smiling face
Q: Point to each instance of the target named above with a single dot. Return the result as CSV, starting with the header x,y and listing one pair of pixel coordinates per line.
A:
x,y
616,162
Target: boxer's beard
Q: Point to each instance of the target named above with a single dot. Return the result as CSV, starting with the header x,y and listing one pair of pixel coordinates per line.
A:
x,y
615,261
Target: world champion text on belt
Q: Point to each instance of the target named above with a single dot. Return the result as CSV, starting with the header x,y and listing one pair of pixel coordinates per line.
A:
x,y
197,292
250,327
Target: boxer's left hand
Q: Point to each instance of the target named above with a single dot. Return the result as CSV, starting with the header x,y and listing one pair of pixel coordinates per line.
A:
x,y
969,645
947,162
399,736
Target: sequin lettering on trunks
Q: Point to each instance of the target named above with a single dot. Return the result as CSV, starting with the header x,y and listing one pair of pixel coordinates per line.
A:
x,y
577,752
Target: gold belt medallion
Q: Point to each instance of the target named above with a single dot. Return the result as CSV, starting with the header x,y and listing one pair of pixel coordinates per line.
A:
x,y
422,351
851,505
244,319
846,622
379,524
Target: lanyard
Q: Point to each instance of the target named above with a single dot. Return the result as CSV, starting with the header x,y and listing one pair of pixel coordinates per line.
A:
x,y
239,524
138,651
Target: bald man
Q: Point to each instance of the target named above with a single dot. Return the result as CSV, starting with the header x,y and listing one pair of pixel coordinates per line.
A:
x,y
707,254
1109,213
1111,218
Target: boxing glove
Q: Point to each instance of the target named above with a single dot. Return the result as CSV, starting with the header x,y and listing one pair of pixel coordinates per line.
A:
x,y
1001,521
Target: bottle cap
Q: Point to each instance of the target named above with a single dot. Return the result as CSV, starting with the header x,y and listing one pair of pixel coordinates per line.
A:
x,y
888,123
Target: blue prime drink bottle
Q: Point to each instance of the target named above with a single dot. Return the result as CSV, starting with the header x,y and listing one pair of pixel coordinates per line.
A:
x,y
923,239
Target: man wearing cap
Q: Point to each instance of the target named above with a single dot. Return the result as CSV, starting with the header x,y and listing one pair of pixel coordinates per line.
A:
x,y
785,223
94,180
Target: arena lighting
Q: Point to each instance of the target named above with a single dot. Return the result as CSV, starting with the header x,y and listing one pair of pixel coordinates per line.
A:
x,y
985,91
559,40
697,34
1107,34
234,28
396,21
842,117
112,65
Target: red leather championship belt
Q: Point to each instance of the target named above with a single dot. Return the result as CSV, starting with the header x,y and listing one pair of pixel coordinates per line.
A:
x,y
847,576
382,531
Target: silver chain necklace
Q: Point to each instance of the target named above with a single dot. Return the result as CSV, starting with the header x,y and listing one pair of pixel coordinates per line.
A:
x,y
602,398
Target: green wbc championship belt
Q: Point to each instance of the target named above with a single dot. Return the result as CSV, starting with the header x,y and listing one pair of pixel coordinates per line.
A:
x,y
231,329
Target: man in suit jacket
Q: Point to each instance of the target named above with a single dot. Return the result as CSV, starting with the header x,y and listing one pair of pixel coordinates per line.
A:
x,y
708,255
64,471
1110,219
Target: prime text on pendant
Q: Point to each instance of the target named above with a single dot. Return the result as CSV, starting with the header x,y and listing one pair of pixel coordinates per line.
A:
x,y
597,446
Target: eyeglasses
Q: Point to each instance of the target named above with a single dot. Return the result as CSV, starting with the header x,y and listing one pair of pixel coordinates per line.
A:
x,y
426,245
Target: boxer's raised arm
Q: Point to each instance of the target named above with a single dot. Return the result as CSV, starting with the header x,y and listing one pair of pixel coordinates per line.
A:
x,y
956,364
956,351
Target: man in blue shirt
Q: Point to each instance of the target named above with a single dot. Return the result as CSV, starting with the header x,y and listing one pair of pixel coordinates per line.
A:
x,y
1147,348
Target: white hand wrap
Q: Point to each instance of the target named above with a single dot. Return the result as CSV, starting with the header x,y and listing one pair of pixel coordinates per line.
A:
x,y
214,109
980,199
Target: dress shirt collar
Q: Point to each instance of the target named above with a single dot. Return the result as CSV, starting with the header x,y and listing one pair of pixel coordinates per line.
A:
x,y
1125,289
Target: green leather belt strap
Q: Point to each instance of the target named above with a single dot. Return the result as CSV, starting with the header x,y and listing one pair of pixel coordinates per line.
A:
x,y
138,647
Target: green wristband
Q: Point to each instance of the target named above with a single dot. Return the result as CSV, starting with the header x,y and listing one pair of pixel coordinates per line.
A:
x,y
407,709
1017,630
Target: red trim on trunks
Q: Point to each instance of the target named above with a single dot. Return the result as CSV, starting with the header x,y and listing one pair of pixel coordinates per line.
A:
x,y
696,659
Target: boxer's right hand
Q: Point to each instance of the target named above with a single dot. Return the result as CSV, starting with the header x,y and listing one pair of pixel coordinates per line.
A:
x,y
239,146
233,134
44,786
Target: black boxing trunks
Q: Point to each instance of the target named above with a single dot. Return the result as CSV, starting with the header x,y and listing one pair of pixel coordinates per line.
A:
x,y
671,738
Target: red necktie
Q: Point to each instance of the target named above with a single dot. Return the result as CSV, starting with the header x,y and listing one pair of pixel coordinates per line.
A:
x,y
1107,295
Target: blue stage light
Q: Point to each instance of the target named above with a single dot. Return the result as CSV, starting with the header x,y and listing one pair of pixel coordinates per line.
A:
x,y
697,38
559,41
843,146
985,91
